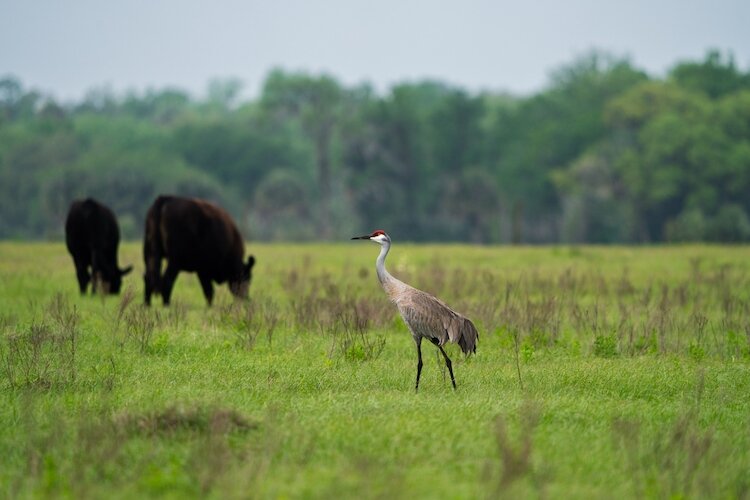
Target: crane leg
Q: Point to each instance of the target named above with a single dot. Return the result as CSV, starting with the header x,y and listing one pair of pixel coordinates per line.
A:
x,y
448,364
419,362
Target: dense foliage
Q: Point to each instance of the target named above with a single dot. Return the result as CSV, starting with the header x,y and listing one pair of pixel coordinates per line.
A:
x,y
606,153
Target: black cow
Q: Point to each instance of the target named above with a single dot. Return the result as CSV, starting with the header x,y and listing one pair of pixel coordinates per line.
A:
x,y
92,236
196,236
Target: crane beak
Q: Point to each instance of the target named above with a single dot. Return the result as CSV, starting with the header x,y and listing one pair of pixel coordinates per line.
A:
x,y
365,237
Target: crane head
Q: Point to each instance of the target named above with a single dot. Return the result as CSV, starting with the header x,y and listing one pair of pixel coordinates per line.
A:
x,y
378,236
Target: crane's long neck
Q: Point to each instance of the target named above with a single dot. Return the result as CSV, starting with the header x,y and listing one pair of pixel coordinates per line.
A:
x,y
391,285
383,275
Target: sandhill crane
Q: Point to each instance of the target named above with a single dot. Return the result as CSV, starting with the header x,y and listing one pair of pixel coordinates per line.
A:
x,y
426,316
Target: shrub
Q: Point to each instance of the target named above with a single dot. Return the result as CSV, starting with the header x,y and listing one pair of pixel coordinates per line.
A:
x,y
730,224
605,346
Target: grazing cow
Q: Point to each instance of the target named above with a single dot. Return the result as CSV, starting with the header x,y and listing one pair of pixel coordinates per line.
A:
x,y
92,236
196,236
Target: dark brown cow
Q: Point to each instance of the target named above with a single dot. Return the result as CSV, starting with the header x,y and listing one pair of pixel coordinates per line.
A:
x,y
92,236
195,236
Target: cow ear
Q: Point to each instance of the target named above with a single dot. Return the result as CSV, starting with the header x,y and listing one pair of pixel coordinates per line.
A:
x,y
125,271
250,262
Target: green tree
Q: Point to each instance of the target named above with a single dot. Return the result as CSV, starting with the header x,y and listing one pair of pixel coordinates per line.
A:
x,y
603,154
281,207
470,206
716,76
316,102
548,131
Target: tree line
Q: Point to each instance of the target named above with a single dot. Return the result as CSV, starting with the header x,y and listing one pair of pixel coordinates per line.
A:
x,y
606,153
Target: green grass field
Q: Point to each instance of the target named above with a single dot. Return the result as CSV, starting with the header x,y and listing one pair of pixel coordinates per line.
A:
x,y
600,373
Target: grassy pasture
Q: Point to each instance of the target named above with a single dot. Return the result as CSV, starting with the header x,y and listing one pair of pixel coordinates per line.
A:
x,y
600,372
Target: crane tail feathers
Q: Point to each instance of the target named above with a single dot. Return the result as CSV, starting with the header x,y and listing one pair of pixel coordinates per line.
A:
x,y
467,339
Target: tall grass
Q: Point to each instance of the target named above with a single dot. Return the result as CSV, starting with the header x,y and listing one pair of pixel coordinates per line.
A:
x,y
599,372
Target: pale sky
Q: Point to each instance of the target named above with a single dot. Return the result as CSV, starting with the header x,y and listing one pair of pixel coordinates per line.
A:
x,y
65,47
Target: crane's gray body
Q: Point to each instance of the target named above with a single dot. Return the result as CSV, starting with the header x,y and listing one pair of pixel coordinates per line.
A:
x,y
426,316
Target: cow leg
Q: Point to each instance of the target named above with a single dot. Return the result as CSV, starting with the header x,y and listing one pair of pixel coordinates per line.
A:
x,y
82,273
96,272
151,277
170,275
208,287
148,291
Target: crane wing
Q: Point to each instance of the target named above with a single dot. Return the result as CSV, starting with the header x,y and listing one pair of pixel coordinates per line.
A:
x,y
430,317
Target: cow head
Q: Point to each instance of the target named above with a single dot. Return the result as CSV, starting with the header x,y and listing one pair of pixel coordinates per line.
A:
x,y
117,279
110,281
240,288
